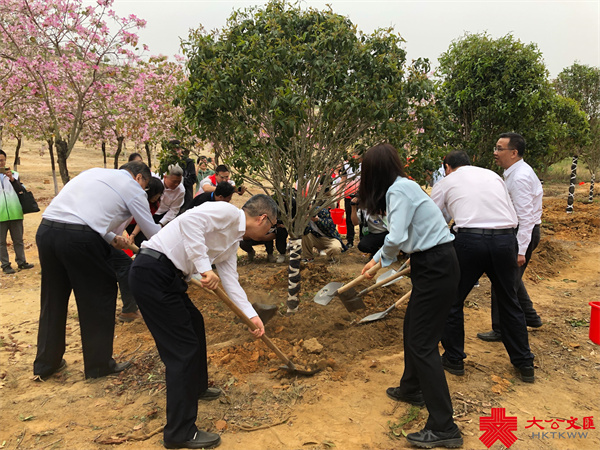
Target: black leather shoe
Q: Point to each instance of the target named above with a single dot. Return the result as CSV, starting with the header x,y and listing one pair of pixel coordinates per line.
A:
x,y
534,322
415,399
201,439
9,270
25,266
60,368
527,374
490,336
455,368
430,439
210,394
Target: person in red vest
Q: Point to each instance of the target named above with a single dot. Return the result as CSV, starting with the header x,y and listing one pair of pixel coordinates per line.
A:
x,y
209,184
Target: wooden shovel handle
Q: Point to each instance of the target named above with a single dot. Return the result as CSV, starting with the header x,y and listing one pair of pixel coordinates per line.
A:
x,y
387,280
238,312
373,270
402,299
134,248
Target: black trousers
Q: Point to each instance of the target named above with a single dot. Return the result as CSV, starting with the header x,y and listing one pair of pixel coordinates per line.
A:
x,y
178,330
372,242
75,260
434,276
121,263
350,232
496,256
281,236
522,294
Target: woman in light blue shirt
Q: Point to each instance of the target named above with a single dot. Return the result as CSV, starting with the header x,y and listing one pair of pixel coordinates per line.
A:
x,y
417,228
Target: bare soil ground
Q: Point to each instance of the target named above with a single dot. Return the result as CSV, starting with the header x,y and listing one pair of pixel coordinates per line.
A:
x,y
345,405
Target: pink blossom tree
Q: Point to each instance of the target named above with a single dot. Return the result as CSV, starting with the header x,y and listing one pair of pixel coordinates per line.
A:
x,y
65,55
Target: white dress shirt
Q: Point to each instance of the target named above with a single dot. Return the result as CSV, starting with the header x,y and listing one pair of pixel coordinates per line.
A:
x,y
171,202
204,235
475,198
207,181
102,199
526,193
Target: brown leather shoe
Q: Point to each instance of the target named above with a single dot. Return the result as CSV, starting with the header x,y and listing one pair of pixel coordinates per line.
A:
x,y
129,317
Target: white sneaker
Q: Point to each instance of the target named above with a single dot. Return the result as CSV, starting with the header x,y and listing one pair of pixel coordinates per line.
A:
x,y
280,259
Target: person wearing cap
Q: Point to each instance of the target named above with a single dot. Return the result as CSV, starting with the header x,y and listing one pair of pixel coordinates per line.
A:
x,y
189,246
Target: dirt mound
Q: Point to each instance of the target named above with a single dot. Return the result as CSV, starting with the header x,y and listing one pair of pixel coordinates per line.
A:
x,y
548,259
583,223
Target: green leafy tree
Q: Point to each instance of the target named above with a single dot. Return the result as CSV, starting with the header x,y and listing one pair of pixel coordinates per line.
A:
x,y
285,95
582,84
495,85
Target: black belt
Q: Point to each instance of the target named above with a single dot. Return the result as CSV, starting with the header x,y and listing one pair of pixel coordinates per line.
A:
x,y
66,226
487,231
160,257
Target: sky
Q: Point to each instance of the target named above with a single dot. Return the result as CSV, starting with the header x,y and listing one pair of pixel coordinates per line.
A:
x,y
565,31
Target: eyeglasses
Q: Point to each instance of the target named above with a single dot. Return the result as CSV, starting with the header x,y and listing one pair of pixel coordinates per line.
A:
x,y
499,149
273,225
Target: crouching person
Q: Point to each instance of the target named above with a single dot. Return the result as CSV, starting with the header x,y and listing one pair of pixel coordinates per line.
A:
x,y
188,245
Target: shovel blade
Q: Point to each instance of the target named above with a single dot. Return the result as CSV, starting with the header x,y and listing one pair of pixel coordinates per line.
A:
x,y
326,294
377,316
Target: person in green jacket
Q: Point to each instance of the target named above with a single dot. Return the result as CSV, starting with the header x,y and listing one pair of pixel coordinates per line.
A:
x,y
11,217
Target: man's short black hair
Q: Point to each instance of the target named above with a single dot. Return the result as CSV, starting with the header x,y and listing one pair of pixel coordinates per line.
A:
x,y
221,168
457,158
135,167
515,142
224,189
2,152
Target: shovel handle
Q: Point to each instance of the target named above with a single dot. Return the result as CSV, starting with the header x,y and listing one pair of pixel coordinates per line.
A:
x,y
402,299
238,312
134,248
382,282
373,270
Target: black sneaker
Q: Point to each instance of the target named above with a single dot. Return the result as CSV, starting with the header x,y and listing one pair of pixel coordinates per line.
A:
x,y
9,270
415,399
455,368
527,374
25,266
534,322
490,336
430,439
61,366
210,394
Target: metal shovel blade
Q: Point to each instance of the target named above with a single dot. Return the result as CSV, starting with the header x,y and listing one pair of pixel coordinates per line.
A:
x,y
389,274
377,316
326,294
351,300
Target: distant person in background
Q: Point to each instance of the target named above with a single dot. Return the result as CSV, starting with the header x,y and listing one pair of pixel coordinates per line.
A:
x,y
173,196
135,157
189,174
11,218
154,192
321,233
209,184
203,171
222,193
278,234
373,229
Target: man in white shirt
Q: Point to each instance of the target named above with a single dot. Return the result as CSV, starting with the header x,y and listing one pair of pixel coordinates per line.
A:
x,y
173,196
485,222
73,243
526,193
190,244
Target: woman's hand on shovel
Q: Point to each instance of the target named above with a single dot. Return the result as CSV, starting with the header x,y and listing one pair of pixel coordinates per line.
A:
x,y
260,328
366,269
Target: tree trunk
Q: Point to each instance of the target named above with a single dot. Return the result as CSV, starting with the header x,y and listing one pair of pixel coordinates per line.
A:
x,y
52,163
120,140
17,150
62,150
591,197
148,154
295,246
104,153
572,186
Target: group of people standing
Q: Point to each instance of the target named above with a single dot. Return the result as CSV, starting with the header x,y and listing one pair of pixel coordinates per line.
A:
x,y
495,229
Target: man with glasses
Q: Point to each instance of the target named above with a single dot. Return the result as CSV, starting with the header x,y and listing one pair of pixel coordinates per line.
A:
x,y
190,245
485,222
526,194
209,184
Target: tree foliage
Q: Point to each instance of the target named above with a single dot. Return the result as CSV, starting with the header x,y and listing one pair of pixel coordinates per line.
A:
x,y
497,85
286,95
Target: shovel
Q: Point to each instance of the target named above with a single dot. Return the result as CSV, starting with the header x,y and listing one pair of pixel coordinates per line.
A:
x,y
381,315
391,272
289,365
346,292
385,282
